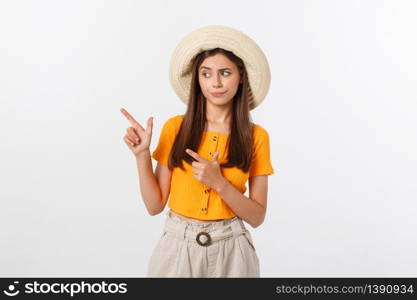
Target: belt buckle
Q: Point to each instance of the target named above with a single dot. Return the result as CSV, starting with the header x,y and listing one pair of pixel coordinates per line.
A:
x,y
208,239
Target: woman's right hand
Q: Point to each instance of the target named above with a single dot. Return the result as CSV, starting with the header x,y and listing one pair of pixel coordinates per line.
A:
x,y
137,139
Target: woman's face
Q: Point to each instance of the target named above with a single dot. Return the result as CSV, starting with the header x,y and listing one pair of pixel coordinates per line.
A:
x,y
218,74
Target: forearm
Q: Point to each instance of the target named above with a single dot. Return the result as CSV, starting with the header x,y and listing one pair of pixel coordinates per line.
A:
x,y
149,187
247,209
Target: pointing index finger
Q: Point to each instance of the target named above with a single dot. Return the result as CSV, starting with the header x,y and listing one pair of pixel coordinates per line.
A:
x,y
131,119
195,155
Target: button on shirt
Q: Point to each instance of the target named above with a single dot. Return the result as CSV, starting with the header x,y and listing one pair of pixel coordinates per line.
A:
x,y
190,197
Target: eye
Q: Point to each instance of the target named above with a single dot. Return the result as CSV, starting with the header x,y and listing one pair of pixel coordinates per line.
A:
x,y
227,72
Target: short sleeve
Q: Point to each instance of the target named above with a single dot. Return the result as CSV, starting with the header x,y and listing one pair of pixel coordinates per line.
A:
x,y
261,160
166,140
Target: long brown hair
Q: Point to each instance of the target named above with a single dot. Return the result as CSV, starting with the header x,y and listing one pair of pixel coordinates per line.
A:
x,y
192,127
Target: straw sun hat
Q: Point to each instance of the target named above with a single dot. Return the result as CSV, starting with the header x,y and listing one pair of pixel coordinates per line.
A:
x,y
213,36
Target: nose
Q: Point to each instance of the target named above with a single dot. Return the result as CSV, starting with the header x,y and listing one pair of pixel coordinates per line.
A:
x,y
217,82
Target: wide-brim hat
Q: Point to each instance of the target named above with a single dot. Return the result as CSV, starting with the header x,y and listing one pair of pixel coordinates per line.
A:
x,y
219,36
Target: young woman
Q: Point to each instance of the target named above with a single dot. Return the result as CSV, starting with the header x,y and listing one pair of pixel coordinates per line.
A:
x,y
205,158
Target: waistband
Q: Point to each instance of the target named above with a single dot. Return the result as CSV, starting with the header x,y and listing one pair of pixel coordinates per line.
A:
x,y
204,233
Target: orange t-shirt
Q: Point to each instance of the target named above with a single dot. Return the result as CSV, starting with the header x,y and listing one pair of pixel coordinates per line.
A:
x,y
190,197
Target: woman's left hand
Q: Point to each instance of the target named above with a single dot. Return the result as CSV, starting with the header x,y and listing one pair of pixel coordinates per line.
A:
x,y
206,171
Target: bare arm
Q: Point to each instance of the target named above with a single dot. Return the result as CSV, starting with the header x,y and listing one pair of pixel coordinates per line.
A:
x,y
252,209
138,140
148,182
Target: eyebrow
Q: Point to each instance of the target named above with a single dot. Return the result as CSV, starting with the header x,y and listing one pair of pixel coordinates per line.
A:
x,y
203,67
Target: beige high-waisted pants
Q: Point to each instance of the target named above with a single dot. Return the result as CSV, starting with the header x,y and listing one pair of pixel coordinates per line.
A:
x,y
226,250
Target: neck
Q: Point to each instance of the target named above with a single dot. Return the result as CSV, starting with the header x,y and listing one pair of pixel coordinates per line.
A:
x,y
218,114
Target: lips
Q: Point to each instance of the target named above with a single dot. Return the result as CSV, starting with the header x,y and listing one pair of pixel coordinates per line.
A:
x,y
218,94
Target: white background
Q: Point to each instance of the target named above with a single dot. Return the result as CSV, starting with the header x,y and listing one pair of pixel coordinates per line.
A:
x,y
341,114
